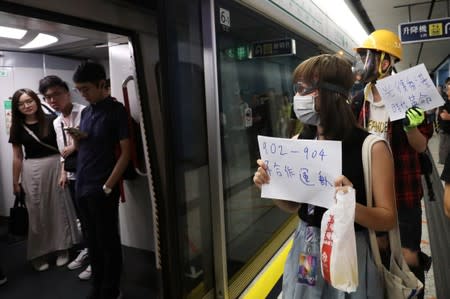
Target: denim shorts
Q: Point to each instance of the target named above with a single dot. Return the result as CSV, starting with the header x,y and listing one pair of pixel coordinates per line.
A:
x,y
306,242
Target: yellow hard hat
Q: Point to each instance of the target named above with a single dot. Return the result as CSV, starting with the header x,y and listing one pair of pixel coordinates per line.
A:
x,y
385,41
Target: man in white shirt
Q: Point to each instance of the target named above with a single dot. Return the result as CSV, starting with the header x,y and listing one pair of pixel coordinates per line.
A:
x,y
56,94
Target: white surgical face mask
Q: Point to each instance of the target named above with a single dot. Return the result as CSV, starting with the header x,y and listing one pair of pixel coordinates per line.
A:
x,y
305,111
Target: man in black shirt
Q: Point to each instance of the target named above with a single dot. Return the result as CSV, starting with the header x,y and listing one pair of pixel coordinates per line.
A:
x,y
104,124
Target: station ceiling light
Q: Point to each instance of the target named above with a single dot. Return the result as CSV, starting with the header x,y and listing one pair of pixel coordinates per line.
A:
x,y
341,14
14,33
107,44
41,40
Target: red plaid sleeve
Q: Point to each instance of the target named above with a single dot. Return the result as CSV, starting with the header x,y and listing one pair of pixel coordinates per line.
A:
x,y
408,182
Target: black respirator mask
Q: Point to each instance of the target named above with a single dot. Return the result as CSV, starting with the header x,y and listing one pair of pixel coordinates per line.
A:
x,y
367,59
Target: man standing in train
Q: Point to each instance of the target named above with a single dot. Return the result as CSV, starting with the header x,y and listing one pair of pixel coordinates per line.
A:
x,y
407,137
56,94
103,130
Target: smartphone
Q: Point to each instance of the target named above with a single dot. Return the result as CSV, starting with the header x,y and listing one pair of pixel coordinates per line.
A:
x,y
72,130
75,132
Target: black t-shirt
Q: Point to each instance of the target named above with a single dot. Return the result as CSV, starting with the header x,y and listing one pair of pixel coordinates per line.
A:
x,y
352,168
106,124
33,149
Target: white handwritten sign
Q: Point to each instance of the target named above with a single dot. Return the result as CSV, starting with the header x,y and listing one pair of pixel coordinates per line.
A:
x,y
411,87
301,170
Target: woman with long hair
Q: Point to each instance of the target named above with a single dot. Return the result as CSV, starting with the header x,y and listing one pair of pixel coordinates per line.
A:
x,y
36,167
321,102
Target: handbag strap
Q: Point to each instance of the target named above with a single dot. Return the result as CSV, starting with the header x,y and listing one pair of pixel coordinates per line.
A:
x,y
19,201
367,167
50,110
39,140
394,233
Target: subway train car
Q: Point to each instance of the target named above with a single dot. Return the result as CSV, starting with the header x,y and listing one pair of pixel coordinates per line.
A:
x,y
202,79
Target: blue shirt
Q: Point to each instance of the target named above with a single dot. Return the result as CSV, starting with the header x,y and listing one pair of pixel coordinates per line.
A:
x,y
106,124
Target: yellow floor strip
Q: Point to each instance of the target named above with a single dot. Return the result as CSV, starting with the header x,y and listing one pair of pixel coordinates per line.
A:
x,y
267,280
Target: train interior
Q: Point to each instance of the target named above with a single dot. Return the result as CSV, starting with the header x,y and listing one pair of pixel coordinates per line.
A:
x,y
22,68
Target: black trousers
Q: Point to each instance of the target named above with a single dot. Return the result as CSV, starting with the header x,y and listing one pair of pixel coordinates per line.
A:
x,y
80,215
105,253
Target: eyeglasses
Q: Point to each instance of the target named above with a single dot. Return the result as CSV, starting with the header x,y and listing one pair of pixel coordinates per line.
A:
x,y
27,102
54,95
300,88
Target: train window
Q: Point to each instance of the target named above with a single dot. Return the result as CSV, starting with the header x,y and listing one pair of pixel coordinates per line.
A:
x,y
255,94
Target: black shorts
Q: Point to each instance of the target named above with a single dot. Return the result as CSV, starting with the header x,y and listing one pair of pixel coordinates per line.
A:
x,y
410,223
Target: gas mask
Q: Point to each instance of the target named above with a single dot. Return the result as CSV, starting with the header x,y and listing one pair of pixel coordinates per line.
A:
x,y
372,62
304,108
368,60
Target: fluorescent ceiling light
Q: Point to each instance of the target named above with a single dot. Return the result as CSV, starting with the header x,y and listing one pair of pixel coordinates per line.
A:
x,y
341,14
14,33
109,44
41,40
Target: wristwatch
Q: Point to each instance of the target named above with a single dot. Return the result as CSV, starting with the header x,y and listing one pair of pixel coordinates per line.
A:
x,y
107,190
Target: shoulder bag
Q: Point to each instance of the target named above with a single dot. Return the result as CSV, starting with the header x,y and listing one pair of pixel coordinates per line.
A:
x,y
399,281
18,216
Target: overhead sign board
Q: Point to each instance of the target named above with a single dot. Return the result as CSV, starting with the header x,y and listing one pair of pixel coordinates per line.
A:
x,y
270,48
422,31
239,53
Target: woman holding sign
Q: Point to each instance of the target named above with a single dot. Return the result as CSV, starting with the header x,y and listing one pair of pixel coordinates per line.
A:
x,y
322,87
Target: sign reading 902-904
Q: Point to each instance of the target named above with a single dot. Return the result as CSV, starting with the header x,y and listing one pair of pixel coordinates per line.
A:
x,y
301,170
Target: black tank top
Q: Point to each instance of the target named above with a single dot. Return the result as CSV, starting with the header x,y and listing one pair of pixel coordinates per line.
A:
x,y
352,168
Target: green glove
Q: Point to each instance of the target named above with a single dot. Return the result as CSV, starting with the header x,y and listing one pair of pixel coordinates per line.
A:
x,y
414,116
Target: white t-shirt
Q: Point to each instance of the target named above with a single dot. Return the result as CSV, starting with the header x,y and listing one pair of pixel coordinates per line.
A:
x,y
378,116
73,120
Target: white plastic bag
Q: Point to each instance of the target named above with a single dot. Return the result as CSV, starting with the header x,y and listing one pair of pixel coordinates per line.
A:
x,y
339,261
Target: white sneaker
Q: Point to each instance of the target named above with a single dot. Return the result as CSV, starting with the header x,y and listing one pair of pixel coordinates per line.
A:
x,y
79,261
39,264
63,258
86,274
3,280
